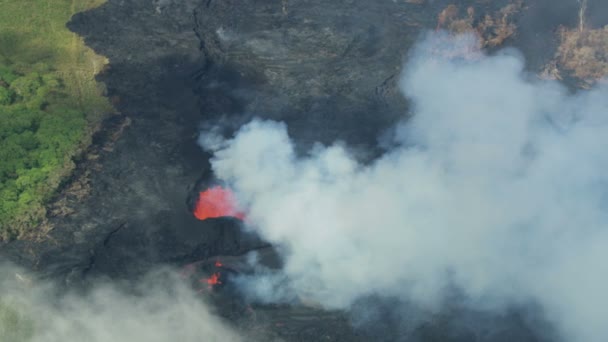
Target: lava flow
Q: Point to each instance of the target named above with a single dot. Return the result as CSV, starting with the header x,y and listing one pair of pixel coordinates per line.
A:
x,y
214,279
216,202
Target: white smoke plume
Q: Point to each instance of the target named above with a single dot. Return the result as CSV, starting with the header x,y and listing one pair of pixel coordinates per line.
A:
x,y
160,309
497,186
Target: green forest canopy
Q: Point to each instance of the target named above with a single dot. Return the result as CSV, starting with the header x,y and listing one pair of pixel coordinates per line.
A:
x,y
49,103
36,139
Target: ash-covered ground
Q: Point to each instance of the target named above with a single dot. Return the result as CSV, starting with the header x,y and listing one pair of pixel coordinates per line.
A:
x,y
329,70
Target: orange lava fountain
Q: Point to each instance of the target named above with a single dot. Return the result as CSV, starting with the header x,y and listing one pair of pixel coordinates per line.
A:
x,y
216,202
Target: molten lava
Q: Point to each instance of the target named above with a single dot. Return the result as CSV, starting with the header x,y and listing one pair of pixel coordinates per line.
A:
x,y
213,280
216,202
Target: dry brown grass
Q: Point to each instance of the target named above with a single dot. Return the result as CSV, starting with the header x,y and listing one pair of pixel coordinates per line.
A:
x,y
493,29
583,53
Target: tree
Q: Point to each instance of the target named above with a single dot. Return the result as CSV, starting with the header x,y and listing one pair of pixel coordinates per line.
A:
x,y
6,96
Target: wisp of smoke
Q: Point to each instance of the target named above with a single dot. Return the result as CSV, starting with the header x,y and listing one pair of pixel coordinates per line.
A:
x,y
160,309
497,186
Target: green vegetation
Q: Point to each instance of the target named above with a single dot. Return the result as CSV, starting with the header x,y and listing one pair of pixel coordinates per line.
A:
x,y
49,105
14,326
37,137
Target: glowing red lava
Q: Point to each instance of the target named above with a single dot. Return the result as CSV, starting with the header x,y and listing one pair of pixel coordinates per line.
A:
x,y
216,202
213,280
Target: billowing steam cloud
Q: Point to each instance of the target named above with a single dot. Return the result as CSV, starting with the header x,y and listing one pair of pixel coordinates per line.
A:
x,y
497,186
161,309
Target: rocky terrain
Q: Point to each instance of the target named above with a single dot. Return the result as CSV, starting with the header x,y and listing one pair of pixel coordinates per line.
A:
x,y
326,68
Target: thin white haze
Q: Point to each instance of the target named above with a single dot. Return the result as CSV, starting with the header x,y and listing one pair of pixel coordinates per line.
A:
x,y
496,186
161,309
